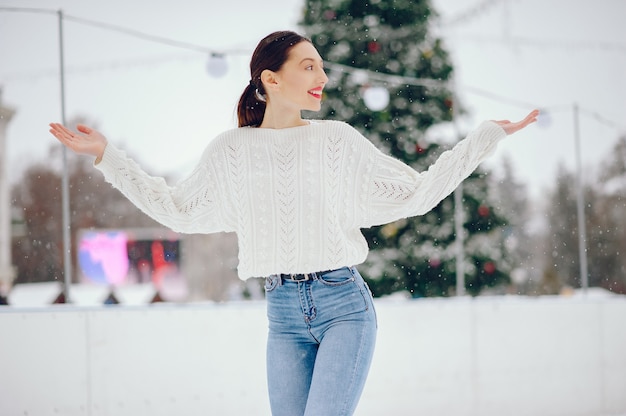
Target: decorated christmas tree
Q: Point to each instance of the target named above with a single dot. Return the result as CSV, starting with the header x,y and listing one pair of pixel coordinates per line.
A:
x,y
389,77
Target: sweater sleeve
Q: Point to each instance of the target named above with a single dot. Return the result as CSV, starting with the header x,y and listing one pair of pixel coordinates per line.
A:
x,y
191,206
397,191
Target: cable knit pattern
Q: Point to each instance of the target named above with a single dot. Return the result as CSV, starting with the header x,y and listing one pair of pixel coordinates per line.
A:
x,y
286,185
296,197
333,152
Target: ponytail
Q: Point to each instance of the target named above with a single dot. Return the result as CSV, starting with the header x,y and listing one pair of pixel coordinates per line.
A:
x,y
271,52
251,107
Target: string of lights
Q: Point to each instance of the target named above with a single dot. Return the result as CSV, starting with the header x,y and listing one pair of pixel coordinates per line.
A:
x,y
28,10
109,65
152,38
367,75
603,46
483,6
470,13
600,119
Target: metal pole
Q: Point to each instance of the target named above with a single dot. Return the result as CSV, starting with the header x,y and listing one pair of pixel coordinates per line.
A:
x,y
458,229
7,271
458,209
67,242
580,204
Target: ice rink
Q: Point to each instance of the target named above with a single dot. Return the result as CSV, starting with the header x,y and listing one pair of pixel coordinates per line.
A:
x,y
548,356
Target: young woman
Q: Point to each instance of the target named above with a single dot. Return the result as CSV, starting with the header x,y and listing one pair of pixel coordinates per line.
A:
x,y
297,192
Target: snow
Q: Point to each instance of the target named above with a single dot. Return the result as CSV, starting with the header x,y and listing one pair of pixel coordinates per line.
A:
x,y
464,356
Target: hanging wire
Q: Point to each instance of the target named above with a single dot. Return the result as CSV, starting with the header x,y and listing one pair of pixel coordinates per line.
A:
x,y
149,37
481,7
601,119
499,98
470,12
597,45
388,79
28,10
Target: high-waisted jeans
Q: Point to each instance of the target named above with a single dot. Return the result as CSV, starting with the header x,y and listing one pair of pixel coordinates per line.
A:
x,y
320,343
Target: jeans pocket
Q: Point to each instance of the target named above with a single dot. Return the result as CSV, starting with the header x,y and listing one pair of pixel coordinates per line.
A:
x,y
271,282
337,277
370,300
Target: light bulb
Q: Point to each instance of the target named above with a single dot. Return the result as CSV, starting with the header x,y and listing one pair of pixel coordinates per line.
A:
x,y
217,66
376,98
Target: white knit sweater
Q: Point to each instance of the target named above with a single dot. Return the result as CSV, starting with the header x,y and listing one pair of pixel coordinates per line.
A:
x,y
296,197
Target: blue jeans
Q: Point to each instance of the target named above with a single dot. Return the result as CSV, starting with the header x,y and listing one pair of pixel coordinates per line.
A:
x,y
320,343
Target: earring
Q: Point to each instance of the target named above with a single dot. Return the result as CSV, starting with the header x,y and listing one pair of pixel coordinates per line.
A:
x,y
259,96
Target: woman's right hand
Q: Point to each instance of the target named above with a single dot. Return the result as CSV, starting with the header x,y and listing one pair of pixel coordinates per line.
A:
x,y
87,141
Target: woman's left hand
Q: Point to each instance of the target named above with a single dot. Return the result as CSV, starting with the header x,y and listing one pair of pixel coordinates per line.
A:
x,y
510,127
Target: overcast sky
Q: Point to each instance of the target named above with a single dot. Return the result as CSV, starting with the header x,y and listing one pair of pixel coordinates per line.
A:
x,y
158,102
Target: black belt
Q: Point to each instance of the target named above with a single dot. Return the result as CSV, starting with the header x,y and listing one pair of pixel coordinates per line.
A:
x,y
302,277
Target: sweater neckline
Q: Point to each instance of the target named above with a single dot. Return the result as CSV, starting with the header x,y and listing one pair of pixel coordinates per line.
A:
x,y
309,124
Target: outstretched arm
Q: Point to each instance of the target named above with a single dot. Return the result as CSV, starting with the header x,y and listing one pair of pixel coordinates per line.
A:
x,y
397,191
191,206
87,141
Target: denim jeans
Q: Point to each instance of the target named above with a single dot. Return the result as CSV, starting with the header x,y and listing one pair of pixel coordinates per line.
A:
x,y
320,344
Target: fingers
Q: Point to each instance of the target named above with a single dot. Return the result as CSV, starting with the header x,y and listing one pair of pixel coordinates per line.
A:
x,y
84,129
531,117
60,132
511,128
86,141
61,129
66,136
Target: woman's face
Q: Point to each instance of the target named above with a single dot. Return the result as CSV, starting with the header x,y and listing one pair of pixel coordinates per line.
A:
x,y
301,79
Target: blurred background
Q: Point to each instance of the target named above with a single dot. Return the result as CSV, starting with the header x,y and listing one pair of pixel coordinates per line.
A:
x,y
507,298
161,79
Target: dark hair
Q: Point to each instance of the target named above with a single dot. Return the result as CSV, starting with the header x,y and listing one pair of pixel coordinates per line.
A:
x,y
271,53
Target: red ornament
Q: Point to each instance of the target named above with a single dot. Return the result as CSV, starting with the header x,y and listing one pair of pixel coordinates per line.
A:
x,y
373,47
489,267
419,149
483,210
434,262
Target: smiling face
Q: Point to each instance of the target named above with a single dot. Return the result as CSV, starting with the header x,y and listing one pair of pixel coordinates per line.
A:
x,y
299,83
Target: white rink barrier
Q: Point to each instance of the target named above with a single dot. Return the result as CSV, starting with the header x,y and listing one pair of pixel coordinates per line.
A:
x,y
547,356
